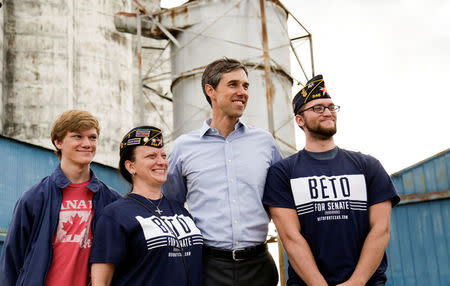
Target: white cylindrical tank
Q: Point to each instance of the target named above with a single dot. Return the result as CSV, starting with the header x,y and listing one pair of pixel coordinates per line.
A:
x,y
62,55
214,29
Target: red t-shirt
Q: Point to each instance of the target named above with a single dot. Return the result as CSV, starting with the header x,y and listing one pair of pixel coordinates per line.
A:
x,y
73,238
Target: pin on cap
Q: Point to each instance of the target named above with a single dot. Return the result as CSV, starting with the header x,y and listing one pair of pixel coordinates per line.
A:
x,y
143,136
313,89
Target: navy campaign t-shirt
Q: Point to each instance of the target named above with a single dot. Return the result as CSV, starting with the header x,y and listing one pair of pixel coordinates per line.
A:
x,y
332,198
142,247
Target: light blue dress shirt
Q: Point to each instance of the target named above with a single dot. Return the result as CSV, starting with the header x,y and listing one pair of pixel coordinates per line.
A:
x,y
222,180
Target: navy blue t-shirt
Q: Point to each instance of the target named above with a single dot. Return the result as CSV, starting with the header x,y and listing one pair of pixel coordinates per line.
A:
x,y
142,247
332,198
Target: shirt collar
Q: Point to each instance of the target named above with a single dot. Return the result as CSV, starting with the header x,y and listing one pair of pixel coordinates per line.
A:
x,y
62,181
206,126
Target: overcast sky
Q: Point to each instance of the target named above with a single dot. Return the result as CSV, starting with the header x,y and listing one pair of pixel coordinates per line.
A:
x,y
387,63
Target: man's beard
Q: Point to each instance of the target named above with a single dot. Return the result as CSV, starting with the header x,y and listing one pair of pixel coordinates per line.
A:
x,y
319,131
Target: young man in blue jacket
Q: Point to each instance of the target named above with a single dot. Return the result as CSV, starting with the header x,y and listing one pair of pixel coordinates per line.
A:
x,y
50,236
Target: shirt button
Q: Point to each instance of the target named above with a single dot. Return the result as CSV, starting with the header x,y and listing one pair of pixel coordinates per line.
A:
x,y
232,180
237,242
234,201
235,221
229,160
227,141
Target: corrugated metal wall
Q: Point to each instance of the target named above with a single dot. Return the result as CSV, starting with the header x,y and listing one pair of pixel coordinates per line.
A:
x,y
23,165
419,251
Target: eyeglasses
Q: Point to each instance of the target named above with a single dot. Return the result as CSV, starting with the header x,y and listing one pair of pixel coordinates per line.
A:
x,y
319,108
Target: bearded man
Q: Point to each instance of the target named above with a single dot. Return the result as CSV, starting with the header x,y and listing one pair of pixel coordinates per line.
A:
x,y
331,206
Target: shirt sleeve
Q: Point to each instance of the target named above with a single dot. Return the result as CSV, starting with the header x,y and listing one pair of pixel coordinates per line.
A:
x,y
17,240
276,156
379,184
109,244
277,191
175,186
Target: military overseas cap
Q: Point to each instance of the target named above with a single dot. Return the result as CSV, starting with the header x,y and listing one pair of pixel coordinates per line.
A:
x,y
143,136
314,89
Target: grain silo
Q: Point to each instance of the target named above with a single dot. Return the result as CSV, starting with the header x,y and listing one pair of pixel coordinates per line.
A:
x,y
59,55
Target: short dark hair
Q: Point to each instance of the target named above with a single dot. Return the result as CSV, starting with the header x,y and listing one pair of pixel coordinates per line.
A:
x,y
213,72
126,154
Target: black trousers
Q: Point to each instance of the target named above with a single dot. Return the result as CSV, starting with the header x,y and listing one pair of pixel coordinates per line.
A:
x,y
378,283
259,270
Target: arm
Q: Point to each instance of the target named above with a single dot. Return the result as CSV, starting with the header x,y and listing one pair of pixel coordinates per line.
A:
x,y
109,247
297,248
16,243
374,245
276,155
102,274
175,186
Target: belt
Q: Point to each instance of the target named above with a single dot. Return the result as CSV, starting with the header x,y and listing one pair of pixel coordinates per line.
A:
x,y
237,254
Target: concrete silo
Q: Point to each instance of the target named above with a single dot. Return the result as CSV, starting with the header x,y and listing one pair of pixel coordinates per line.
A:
x,y
59,55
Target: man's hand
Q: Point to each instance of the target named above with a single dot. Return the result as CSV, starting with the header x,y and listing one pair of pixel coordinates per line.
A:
x,y
297,248
352,283
375,244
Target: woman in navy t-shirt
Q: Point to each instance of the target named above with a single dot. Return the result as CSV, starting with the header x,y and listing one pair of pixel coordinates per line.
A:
x,y
143,238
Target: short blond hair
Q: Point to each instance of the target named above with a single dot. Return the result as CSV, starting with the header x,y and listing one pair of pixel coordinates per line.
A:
x,y
72,121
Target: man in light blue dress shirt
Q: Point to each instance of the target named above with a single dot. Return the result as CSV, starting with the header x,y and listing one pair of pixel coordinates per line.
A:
x,y
220,170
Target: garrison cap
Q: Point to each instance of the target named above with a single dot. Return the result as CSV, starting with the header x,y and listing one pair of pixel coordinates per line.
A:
x,y
143,136
313,89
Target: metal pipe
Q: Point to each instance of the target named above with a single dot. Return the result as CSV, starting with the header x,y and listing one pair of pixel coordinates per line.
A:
x,y
140,6
287,11
309,35
281,263
312,56
267,69
298,59
139,54
164,30
153,48
157,93
301,37
158,62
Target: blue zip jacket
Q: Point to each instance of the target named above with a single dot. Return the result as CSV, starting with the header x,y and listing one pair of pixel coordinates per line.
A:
x,y
27,251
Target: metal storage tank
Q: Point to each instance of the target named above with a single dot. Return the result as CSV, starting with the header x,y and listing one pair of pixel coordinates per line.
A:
x,y
61,55
419,249
208,30
24,165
